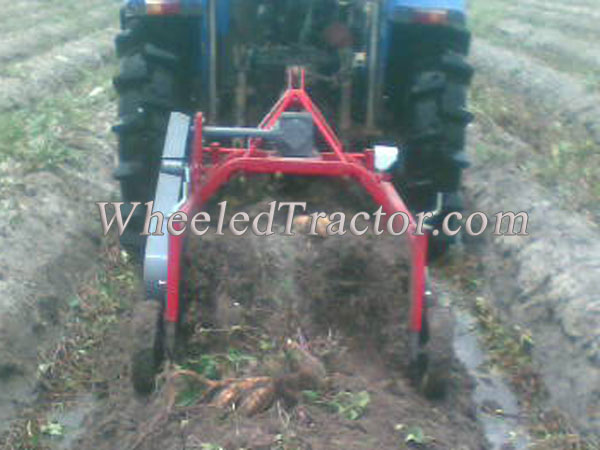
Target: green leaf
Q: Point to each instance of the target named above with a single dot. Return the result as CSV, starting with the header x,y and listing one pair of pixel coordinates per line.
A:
x,y
350,405
353,414
363,399
415,435
238,359
52,429
206,365
266,345
311,396
208,446
188,397
74,302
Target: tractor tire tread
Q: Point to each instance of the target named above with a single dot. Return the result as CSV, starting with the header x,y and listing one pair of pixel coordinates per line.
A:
x,y
437,120
153,81
455,65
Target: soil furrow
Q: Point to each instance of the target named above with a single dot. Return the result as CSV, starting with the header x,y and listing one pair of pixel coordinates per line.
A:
x,y
553,112
50,238
564,53
28,15
548,89
545,282
569,9
35,77
583,28
25,44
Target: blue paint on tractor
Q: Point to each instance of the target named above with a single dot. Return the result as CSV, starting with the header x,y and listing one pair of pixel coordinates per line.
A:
x,y
450,5
391,5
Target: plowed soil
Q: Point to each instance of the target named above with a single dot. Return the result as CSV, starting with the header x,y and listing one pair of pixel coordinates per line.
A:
x,y
345,298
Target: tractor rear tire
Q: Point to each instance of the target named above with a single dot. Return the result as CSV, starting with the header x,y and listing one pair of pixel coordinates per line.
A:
x,y
437,121
152,81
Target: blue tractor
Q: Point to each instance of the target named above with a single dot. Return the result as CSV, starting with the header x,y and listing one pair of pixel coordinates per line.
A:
x,y
388,72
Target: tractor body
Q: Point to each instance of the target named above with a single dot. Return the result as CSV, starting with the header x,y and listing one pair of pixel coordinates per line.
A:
x,y
387,72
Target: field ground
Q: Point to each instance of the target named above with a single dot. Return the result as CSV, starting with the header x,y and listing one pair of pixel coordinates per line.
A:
x,y
527,308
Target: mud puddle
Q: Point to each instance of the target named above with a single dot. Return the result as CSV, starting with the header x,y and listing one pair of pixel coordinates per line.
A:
x,y
498,409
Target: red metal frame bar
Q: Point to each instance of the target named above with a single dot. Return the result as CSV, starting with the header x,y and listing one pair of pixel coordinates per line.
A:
x,y
223,163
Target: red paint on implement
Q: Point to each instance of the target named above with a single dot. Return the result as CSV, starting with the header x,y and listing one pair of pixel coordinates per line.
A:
x,y
212,166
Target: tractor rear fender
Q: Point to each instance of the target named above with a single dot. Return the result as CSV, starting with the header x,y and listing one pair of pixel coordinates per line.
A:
x,y
427,12
165,7
179,8
456,7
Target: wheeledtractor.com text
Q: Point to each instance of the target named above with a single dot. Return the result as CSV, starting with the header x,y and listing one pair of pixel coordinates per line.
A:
x,y
319,223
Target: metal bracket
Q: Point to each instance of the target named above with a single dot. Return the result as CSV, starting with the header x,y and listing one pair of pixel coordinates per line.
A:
x,y
439,205
294,132
170,192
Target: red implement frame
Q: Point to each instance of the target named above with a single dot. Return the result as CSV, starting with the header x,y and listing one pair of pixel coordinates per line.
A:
x,y
207,179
